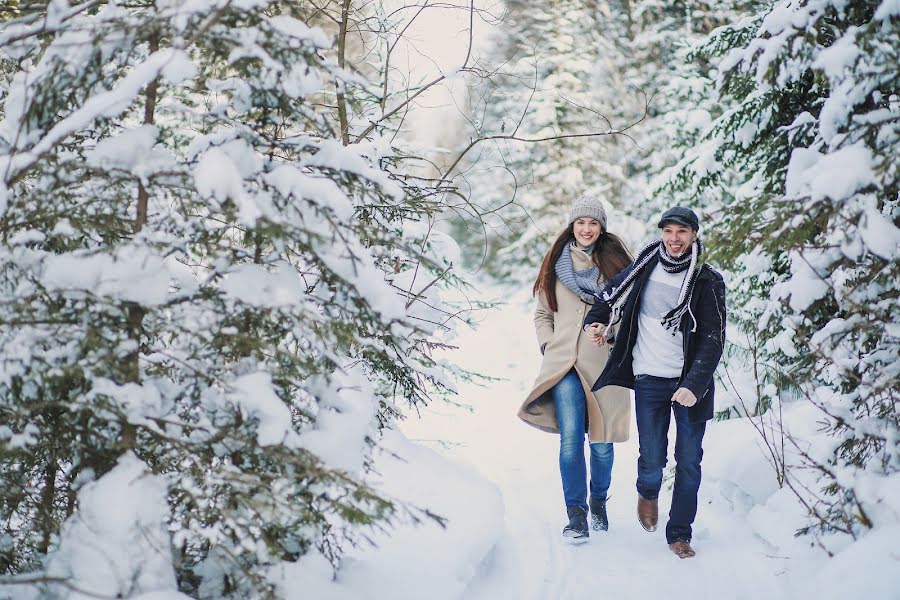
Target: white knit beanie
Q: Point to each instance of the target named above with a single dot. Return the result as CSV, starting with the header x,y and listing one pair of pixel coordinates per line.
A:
x,y
588,206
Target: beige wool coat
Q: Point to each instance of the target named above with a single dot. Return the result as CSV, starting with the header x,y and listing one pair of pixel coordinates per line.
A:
x,y
567,345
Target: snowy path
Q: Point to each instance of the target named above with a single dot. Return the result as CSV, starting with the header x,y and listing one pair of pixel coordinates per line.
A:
x,y
531,561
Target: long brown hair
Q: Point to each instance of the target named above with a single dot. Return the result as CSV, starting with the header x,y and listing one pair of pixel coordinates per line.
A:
x,y
610,256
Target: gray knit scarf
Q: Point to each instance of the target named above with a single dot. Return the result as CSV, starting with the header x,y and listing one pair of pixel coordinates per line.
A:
x,y
585,283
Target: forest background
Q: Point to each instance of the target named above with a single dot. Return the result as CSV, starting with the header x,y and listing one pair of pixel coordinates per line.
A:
x,y
237,244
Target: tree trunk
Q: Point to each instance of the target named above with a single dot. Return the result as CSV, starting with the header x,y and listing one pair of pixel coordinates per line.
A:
x,y
135,313
341,99
629,21
48,495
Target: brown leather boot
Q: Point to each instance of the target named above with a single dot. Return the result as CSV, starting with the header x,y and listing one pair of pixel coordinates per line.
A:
x,y
682,549
648,513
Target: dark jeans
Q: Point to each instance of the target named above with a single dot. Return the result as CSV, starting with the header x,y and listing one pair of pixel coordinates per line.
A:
x,y
568,397
653,407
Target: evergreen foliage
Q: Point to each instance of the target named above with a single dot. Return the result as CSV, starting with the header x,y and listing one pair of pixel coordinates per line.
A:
x,y
557,111
664,62
204,288
801,173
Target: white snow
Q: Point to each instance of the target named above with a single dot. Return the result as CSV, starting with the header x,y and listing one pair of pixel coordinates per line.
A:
x,y
836,175
133,151
63,227
887,9
132,273
867,569
26,237
413,562
511,549
256,398
777,20
879,234
299,30
755,262
104,104
117,545
217,177
706,162
290,180
278,286
300,81
245,160
421,287
139,402
334,155
838,57
806,284
178,68
346,416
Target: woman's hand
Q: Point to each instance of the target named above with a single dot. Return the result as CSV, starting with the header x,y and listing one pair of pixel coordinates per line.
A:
x,y
596,331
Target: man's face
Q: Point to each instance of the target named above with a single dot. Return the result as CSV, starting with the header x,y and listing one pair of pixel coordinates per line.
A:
x,y
677,238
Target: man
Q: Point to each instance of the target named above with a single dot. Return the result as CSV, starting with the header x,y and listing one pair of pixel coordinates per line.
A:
x,y
671,310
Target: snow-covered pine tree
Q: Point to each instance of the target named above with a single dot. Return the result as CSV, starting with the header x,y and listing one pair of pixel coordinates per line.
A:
x,y
210,302
808,151
559,79
662,61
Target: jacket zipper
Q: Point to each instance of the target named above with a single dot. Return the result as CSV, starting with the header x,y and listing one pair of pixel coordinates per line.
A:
x,y
684,345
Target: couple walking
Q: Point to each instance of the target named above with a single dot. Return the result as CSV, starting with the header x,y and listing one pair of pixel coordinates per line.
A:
x,y
605,323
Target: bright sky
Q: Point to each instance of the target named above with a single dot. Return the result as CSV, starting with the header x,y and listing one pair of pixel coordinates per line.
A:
x,y
436,43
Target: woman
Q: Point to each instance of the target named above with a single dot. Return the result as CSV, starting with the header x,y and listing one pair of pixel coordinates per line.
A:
x,y
583,257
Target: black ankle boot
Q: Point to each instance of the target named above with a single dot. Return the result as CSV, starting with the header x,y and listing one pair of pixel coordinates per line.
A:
x,y
577,529
599,520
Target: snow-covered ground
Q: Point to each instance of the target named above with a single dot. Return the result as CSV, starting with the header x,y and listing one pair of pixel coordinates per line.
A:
x,y
497,481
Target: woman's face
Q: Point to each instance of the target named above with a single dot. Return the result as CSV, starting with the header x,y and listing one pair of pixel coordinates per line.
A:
x,y
586,231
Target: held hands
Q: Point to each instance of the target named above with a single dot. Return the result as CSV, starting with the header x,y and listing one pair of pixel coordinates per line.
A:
x,y
684,397
595,330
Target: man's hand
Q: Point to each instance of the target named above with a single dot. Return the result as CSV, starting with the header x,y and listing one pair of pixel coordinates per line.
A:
x,y
595,330
684,397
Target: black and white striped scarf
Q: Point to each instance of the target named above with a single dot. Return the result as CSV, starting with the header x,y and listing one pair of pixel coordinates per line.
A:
x,y
617,298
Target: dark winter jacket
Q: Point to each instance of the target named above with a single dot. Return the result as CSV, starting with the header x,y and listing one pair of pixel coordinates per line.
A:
x,y
702,348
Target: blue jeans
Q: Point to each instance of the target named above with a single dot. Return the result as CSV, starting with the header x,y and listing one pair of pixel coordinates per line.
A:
x,y
568,397
653,407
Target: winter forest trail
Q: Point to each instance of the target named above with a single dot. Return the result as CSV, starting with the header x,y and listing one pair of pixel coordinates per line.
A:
x,y
531,561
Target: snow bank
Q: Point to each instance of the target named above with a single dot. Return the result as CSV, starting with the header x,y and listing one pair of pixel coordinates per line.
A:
x,y
738,475
844,575
508,548
412,562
